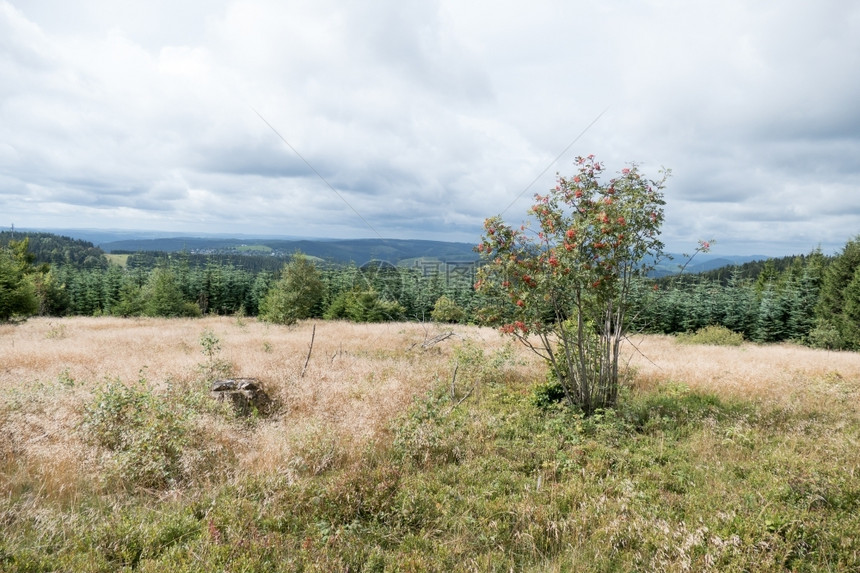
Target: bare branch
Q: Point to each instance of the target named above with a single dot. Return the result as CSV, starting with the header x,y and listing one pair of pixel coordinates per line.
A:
x,y
310,349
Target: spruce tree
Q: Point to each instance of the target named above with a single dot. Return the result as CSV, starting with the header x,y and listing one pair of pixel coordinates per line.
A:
x,y
850,324
803,295
770,324
163,297
17,289
834,327
741,307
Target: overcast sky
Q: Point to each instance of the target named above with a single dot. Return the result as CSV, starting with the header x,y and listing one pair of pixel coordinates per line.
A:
x,y
426,117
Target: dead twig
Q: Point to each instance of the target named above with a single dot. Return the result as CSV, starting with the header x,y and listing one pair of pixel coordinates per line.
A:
x,y
461,400
453,390
310,349
427,343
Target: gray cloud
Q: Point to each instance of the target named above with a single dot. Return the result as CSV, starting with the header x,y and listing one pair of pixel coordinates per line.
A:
x,y
428,117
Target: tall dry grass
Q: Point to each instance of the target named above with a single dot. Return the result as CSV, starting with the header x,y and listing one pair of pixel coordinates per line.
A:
x,y
359,377
780,375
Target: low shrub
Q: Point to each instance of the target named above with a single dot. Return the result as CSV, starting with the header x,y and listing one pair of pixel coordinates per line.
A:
x,y
142,433
676,408
446,310
424,436
826,336
364,306
714,335
546,394
214,367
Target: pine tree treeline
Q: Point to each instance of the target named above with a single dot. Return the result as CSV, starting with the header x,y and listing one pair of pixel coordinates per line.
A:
x,y
812,299
148,260
773,305
176,288
780,310
750,269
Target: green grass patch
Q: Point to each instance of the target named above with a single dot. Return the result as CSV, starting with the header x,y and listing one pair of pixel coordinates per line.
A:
x,y
119,260
254,249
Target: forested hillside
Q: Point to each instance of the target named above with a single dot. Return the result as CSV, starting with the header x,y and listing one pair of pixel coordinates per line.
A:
x,y
752,269
58,250
148,260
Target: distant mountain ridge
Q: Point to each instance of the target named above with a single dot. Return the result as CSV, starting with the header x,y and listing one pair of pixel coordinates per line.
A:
x,y
358,251
701,263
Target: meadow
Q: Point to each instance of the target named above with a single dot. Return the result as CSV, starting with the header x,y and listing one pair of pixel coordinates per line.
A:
x,y
415,447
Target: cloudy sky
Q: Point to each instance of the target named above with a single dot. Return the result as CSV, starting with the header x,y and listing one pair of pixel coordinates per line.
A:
x,y
422,118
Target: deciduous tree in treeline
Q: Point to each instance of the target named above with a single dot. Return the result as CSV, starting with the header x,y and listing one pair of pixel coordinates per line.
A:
x,y
446,310
296,295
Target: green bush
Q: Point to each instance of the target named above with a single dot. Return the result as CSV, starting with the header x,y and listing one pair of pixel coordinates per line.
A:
x,y
446,310
143,432
547,393
364,306
714,335
825,335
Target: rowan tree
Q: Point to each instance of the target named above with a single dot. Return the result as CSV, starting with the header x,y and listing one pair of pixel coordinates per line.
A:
x,y
561,282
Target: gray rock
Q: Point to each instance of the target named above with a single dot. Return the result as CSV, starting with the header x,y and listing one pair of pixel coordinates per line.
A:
x,y
246,395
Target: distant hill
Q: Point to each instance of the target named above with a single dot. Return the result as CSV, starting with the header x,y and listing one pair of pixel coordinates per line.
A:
x,y
101,236
358,251
702,263
57,249
338,251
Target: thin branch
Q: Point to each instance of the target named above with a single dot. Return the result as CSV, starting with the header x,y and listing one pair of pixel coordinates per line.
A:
x,y
427,343
453,393
642,354
528,344
310,349
466,395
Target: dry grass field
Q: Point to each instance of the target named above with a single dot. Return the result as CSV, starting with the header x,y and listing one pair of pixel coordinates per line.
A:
x,y
359,377
777,375
721,458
